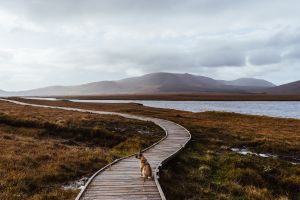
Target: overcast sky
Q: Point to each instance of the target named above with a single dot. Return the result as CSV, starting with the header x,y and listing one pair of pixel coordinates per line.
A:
x,y
65,42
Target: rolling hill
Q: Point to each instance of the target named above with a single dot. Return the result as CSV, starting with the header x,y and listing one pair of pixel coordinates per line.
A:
x,y
286,89
249,82
151,84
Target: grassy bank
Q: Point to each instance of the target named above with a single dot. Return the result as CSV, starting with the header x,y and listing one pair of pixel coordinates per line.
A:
x,y
43,149
208,169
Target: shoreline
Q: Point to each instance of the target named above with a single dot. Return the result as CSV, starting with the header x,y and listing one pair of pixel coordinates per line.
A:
x,y
186,97
205,96
181,106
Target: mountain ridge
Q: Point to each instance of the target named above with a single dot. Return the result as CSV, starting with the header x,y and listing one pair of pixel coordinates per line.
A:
x,y
292,88
254,82
154,83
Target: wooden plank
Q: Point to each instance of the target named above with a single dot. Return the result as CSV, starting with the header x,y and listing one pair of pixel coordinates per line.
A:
x,y
121,180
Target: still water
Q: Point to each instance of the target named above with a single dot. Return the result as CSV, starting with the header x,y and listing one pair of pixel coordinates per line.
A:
x,y
289,109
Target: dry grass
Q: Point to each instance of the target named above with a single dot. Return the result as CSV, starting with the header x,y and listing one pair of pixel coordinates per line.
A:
x,y
42,149
207,169
277,135
36,169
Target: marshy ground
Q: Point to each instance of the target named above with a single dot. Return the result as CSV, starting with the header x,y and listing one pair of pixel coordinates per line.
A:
x,y
42,149
208,169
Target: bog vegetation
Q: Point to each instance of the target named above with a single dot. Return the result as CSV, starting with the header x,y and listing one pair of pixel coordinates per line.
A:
x,y
208,169
43,149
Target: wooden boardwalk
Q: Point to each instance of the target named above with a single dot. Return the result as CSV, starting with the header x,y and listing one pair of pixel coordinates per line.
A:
x,y
121,179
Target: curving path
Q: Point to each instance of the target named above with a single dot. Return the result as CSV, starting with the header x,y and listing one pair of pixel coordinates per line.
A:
x,y
121,179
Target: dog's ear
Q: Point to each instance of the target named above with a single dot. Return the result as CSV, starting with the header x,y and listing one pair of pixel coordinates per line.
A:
x,y
139,154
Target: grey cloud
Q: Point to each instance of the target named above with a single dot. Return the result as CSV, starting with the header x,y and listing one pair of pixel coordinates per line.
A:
x,y
145,11
293,52
5,56
157,59
226,56
94,37
264,57
80,7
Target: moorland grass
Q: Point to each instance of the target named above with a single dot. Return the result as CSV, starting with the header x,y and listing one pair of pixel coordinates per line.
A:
x,y
208,169
43,149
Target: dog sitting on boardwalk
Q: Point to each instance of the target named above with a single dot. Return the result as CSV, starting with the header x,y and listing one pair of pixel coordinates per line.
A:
x,y
146,171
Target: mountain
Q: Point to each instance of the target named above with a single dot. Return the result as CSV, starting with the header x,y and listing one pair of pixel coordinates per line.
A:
x,y
169,82
250,82
286,89
151,84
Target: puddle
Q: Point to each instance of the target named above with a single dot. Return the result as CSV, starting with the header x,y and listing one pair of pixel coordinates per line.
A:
x,y
295,163
246,151
75,185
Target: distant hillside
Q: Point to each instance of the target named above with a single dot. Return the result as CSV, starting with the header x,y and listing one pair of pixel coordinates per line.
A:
x,y
286,89
249,82
169,82
152,84
3,93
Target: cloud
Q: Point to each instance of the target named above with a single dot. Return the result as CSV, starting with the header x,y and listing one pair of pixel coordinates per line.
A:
x,y
78,41
264,57
293,52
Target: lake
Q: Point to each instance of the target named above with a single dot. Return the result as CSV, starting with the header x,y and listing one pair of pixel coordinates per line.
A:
x,y
287,109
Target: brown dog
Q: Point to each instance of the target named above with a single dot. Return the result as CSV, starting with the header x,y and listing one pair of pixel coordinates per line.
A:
x,y
146,171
